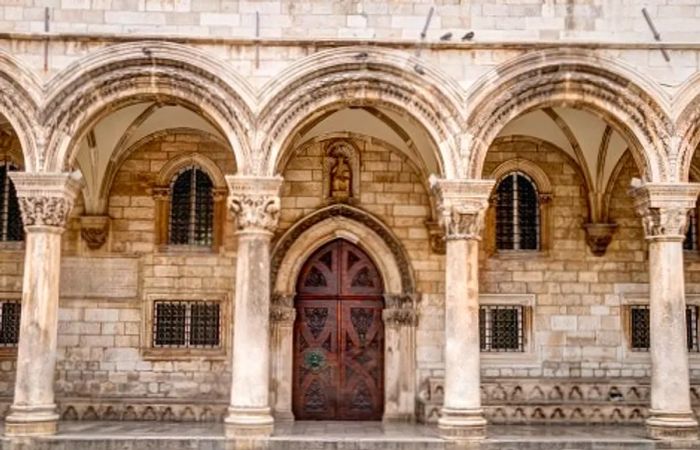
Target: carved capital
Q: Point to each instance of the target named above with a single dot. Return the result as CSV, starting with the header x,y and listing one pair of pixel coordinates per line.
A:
x,y
664,207
282,310
161,193
94,230
254,201
437,237
461,206
599,236
45,199
400,317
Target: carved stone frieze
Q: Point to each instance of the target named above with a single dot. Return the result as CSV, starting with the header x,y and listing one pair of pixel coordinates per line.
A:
x,y
599,236
94,230
255,201
45,199
664,207
461,206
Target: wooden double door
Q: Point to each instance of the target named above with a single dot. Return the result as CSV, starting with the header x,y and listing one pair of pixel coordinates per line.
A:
x,y
339,337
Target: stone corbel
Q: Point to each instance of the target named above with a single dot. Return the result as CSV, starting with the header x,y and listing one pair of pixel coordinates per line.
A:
x,y
461,205
94,230
45,200
437,237
599,236
664,207
254,202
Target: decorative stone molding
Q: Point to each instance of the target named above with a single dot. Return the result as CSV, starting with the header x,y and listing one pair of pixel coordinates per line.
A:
x,y
664,207
45,199
599,236
255,201
94,230
282,309
437,237
396,317
462,206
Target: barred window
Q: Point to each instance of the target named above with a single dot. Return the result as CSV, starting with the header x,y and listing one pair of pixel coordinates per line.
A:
x,y
10,218
501,328
9,322
691,236
640,329
191,208
517,213
186,324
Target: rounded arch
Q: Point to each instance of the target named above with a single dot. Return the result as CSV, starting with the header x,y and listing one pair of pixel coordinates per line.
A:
x,y
361,76
687,113
173,167
124,74
20,100
630,103
309,234
529,168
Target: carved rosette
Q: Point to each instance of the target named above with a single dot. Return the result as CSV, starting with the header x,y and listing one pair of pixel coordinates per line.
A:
x,y
664,207
45,199
461,206
255,202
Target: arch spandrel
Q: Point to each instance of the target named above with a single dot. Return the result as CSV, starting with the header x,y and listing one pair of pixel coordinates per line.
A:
x,y
630,103
361,76
124,74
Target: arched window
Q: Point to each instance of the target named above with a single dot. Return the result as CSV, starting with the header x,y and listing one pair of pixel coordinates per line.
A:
x,y
10,218
691,236
191,208
517,213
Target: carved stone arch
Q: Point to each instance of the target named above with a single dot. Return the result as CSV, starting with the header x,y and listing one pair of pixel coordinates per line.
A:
x,y
125,74
361,76
341,221
624,99
687,124
170,169
289,255
534,171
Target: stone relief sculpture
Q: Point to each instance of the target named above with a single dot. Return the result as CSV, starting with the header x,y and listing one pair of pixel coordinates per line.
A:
x,y
340,167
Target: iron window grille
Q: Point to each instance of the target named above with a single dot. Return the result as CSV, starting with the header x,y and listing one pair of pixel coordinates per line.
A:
x,y
187,324
501,328
10,311
11,228
191,208
691,235
640,328
517,213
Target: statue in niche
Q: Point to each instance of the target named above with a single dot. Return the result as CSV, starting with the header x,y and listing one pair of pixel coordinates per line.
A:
x,y
340,177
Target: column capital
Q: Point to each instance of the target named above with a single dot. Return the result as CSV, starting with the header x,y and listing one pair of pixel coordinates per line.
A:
x,y
45,199
254,201
461,205
664,207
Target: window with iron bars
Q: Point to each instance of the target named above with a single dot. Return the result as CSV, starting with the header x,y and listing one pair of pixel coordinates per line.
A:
x,y
691,236
517,213
11,228
186,324
191,208
10,311
640,329
501,328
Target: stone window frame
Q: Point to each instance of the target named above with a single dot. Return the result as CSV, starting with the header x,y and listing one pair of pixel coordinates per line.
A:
x,y
8,159
152,353
544,190
163,200
644,357
694,231
529,355
10,352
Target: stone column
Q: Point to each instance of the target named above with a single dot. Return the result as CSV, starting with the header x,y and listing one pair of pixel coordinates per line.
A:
x,y
255,203
45,201
461,207
664,211
282,316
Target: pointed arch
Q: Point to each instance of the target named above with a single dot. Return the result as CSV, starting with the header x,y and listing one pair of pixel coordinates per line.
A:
x,y
124,74
634,106
361,76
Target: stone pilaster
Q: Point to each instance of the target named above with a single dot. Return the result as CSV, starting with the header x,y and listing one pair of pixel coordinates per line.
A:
x,y
255,203
45,201
282,315
461,206
664,212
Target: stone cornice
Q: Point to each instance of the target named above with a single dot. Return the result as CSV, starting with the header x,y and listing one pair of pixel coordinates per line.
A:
x,y
45,199
254,201
461,205
664,207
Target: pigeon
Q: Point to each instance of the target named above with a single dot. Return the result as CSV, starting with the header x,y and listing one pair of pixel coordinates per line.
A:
x,y
446,36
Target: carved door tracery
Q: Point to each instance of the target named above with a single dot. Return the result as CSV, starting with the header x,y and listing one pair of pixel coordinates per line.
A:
x,y
339,337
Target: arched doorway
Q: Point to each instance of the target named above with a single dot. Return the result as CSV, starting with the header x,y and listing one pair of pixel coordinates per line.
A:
x,y
339,336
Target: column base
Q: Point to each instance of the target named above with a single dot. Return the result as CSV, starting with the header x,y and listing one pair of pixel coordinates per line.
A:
x,y
462,424
31,421
664,425
248,423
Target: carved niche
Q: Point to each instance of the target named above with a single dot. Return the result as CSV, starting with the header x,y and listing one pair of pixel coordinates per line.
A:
x,y
341,172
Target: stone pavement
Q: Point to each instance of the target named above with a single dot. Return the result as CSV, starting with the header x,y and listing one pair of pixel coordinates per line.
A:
x,y
336,436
